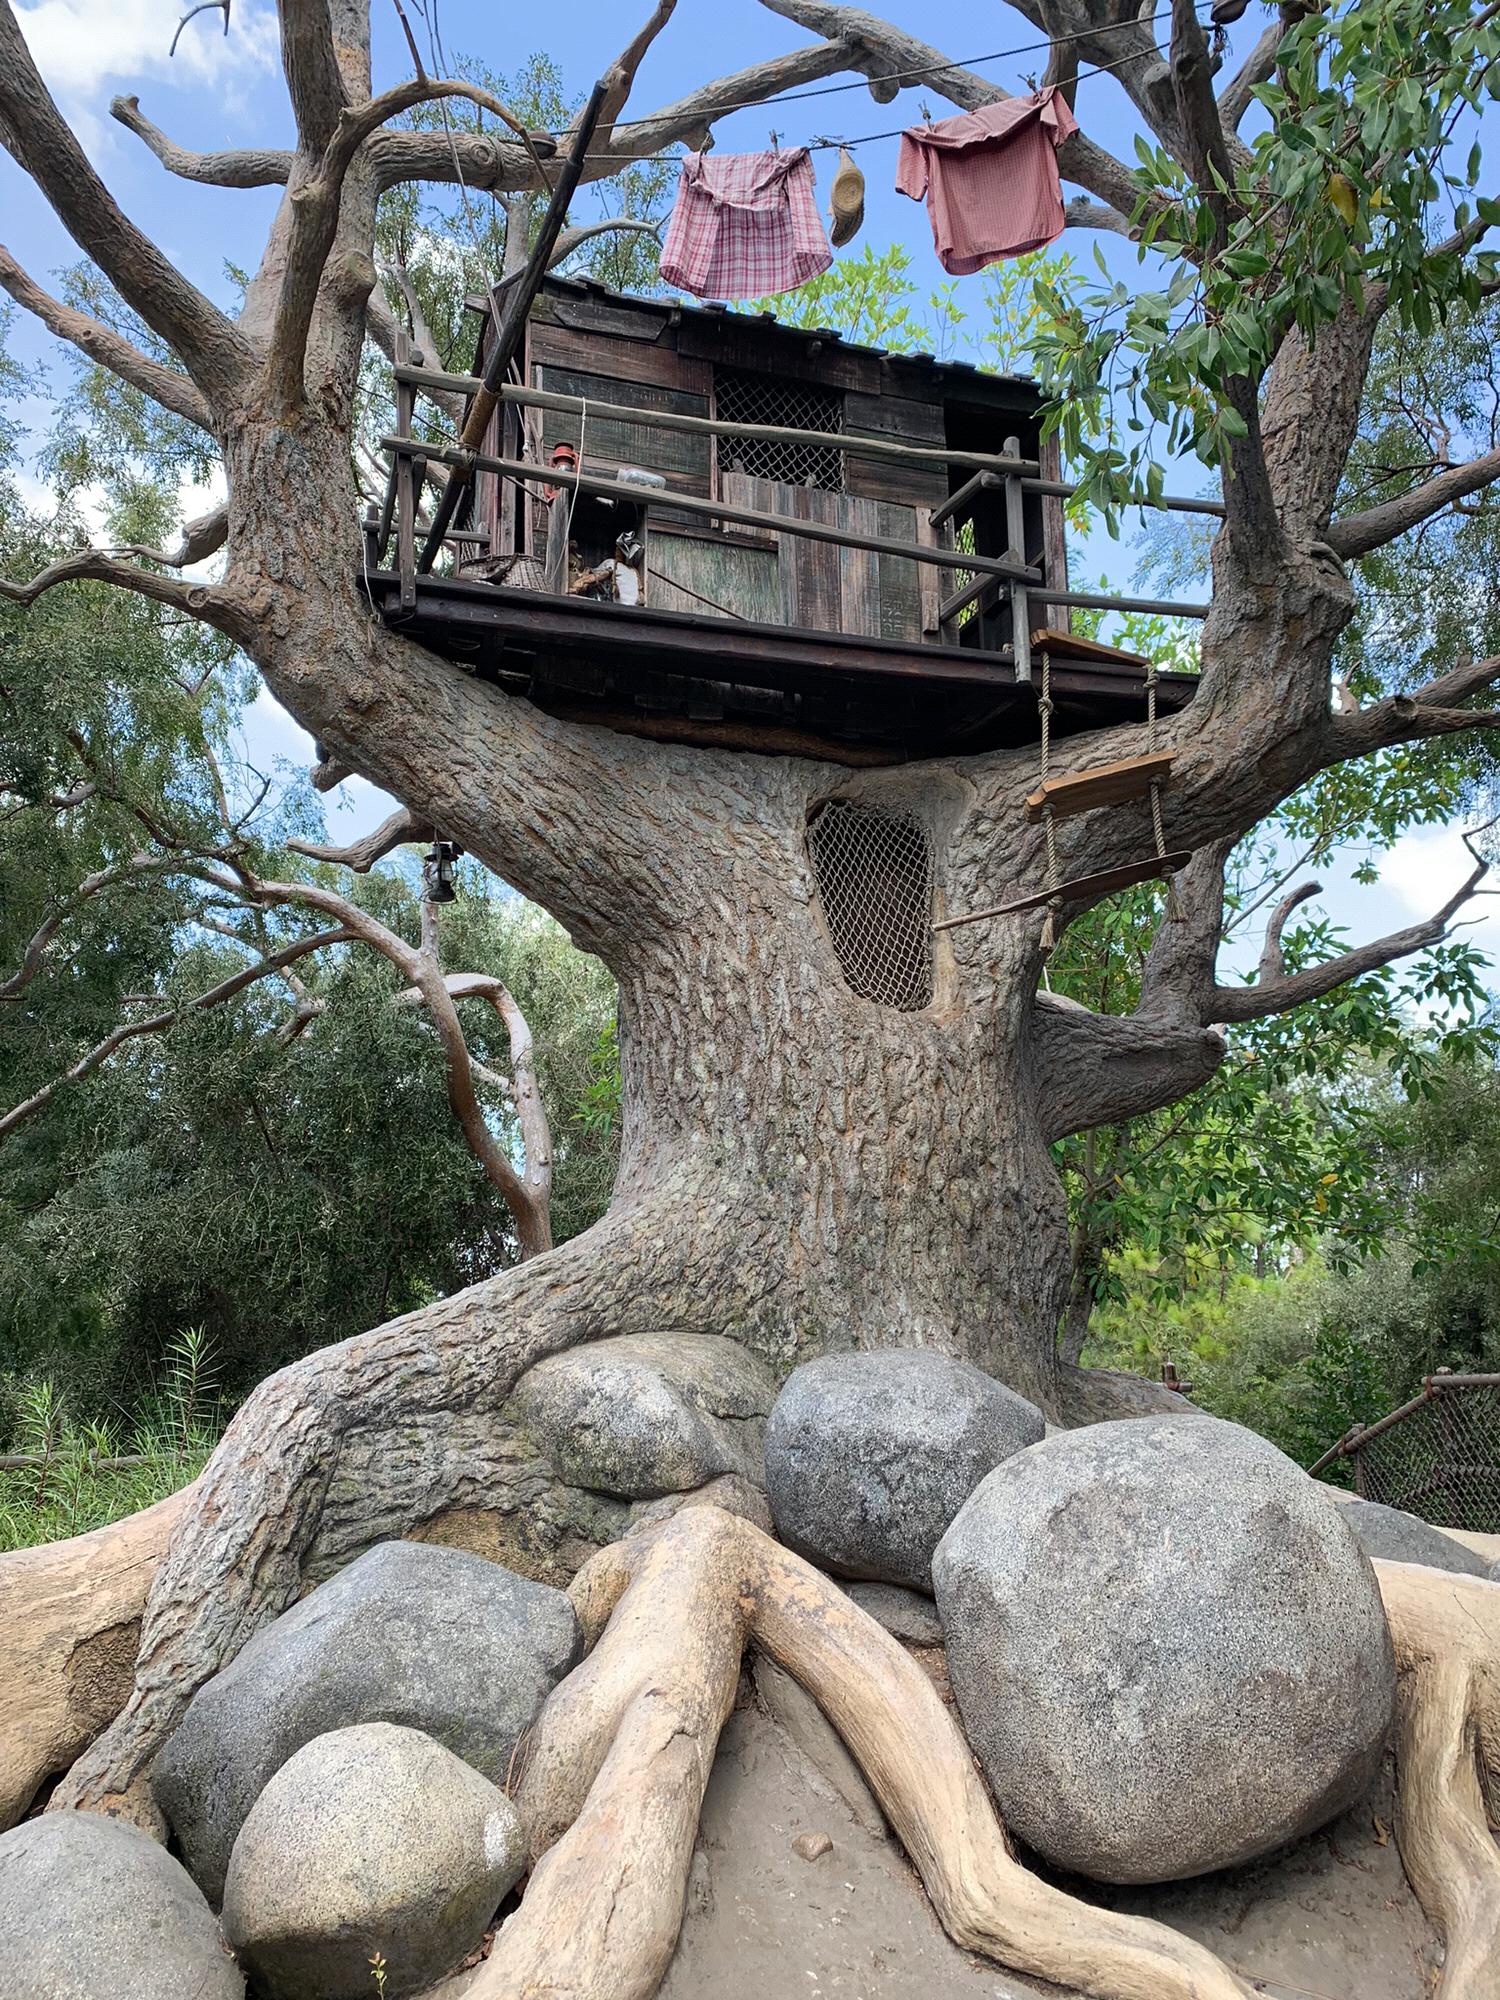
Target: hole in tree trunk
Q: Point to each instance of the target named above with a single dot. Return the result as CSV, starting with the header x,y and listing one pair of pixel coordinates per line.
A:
x,y
873,869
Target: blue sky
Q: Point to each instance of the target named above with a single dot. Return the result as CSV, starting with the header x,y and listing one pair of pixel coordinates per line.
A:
x,y
227,91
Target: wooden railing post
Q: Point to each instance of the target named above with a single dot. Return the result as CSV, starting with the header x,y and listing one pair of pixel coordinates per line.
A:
x,y
1015,535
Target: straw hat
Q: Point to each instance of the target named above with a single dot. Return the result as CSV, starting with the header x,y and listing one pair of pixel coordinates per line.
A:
x,y
847,205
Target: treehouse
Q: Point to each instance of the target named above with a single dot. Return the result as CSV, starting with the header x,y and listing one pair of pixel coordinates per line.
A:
x,y
704,526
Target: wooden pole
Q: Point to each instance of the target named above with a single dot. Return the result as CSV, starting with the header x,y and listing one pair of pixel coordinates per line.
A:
x,y
718,510
847,441
512,326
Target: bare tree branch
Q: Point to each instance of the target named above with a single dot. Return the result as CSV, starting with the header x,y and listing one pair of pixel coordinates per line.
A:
x,y
41,141
1101,1069
1409,718
155,1024
361,855
245,168
1358,534
1282,992
310,62
623,71
1236,97
204,601
102,344
1272,957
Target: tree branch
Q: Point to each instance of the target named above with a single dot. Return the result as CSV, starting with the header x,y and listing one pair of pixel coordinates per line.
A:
x,y
34,955
1359,534
39,138
155,1024
309,60
251,168
97,566
396,831
1101,1069
1237,96
102,344
1272,957
1409,718
1284,991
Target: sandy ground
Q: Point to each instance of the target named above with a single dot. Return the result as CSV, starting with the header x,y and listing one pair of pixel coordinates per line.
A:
x,y
1330,1919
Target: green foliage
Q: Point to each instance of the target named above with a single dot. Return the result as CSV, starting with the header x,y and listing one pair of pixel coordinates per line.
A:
x,y
76,1481
1368,154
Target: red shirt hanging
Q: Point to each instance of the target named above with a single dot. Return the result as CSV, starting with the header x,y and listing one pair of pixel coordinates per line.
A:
x,y
990,178
745,226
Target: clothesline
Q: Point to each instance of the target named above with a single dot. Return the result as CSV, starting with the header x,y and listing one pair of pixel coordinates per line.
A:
x,y
820,144
900,76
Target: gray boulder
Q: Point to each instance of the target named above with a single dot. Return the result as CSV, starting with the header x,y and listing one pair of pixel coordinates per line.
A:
x,y
870,1456
648,1413
410,1633
1167,1646
369,1840
1400,1537
92,1909
906,1614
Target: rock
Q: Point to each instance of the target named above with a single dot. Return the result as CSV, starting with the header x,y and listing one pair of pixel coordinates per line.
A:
x,y
870,1456
1168,1649
1396,1536
410,1633
905,1614
648,1413
811,1846
370,1839
92,1909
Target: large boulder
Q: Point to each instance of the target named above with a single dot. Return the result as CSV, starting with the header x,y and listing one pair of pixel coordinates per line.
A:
x,y
1167,1646
410,1633
648,1413
369,1840
1399,1537
91,1909
870,1456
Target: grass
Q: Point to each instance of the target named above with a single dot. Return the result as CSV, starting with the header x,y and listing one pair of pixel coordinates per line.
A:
x,y
84,1475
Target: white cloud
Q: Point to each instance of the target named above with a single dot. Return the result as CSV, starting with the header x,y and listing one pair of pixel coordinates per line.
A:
x,y
1424,868
81,46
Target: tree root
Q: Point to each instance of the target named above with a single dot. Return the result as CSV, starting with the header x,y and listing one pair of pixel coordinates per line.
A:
x,y
616,1771
1446,1631
372,1439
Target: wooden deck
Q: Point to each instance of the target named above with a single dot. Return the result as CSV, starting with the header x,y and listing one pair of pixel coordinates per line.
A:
x,y
773,688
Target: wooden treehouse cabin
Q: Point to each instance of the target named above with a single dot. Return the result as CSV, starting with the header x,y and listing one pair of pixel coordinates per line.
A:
x,y
704,526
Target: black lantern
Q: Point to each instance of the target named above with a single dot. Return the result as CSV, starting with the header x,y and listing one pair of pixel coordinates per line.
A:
x,y
437,871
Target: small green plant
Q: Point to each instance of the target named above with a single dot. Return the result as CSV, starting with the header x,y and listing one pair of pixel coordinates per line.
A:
x,y
377,1971
66,1477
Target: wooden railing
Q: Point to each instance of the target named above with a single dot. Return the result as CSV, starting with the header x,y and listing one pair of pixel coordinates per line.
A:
x,y
987,579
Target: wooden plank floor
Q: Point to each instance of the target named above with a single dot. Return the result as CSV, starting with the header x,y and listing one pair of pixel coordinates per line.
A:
x,y
509,633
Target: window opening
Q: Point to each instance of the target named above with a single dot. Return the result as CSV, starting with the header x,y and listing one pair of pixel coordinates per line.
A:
x,y
873,869
742,398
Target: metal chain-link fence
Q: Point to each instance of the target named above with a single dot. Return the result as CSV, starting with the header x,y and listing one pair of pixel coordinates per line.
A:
x,y
1437,1456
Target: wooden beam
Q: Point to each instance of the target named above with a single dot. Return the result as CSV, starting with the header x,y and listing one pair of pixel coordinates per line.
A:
x,y
1047,639
855,443
1104,785
982,482
1091,600
1083,888
977,588
717,510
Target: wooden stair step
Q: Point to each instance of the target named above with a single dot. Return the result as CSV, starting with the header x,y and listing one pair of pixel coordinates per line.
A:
x,y
1069,646
1101,785
1083,888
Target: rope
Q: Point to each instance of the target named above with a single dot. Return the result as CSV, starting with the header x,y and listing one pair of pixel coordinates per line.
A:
x,y
1054,901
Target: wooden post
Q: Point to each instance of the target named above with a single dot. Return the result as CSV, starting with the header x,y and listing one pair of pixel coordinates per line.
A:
x,y
1015,535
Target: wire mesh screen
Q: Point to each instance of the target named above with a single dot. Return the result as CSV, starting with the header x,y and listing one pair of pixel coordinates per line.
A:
x,y
1439,1458
874,874
769,399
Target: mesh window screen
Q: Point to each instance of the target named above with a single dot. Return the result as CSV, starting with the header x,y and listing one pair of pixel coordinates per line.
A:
x,y
874,875
768,399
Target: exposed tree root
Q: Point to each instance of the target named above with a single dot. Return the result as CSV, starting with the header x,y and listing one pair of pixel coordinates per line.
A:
x,y
373,1439
1446,1631
616,1771
68,1643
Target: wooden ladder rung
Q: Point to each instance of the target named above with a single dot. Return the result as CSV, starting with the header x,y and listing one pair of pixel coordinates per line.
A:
x,y
1071,646
1103,785
1083,888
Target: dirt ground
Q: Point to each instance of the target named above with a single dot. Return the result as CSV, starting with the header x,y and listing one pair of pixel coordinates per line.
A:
x,y
1330,1919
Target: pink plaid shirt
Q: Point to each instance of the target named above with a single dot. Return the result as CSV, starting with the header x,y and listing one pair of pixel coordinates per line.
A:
x,y
746,225
990,178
